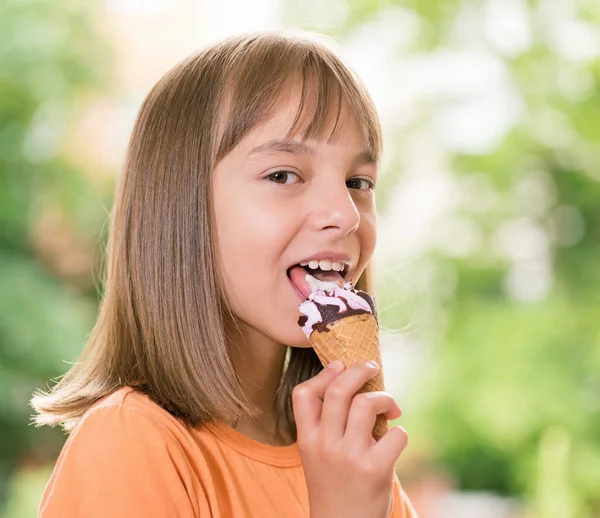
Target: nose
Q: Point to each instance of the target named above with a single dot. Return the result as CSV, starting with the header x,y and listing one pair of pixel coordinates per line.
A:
x,y
334,210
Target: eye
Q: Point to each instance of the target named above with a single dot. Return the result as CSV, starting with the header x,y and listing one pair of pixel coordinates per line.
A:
x,y
355,183
283,177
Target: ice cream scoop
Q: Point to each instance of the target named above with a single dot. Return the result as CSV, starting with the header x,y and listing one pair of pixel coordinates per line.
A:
x,y
328,304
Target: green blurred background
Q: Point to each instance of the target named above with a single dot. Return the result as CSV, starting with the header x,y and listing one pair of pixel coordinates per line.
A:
x,y
488,260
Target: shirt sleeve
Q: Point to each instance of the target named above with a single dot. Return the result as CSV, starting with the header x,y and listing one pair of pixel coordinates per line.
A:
x,y
121,462
402,506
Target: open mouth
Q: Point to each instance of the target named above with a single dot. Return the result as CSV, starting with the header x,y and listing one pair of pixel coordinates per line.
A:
x,y
306,279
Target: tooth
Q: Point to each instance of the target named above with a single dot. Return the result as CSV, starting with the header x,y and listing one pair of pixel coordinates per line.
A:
x,y
303,264
337,266
313,265
325,265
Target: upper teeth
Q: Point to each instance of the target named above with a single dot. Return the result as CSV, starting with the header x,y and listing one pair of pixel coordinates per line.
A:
x,y
325,265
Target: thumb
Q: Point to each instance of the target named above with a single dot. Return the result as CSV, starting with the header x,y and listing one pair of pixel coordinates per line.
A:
x,y
307,397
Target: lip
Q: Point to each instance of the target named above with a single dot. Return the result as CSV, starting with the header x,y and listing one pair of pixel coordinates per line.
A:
x,y
324,256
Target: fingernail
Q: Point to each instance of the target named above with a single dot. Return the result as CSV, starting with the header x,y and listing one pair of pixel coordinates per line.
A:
x,y
373,363
337,364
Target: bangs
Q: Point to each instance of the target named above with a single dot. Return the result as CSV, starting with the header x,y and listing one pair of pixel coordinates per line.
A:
x,y
268,72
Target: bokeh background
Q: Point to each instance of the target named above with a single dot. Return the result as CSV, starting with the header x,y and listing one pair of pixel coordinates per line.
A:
x,y
488,258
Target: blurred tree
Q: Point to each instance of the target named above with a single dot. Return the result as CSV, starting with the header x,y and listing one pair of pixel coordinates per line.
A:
x,y
49,53
511,270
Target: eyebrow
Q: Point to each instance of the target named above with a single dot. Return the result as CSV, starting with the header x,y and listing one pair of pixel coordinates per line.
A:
x,y
272,147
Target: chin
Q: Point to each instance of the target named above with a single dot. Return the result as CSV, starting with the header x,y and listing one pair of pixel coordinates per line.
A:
x,y
300,345
293,338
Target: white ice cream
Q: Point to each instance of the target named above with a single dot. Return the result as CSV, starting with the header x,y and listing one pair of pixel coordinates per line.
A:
x,y
315,284
330,296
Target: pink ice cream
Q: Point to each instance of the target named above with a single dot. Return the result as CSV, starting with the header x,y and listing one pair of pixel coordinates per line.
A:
x,y
324,306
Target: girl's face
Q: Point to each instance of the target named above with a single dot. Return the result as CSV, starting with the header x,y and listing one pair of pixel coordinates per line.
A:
x,y
281,202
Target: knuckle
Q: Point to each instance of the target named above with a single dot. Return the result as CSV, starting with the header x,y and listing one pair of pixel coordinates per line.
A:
x,y
367,401
336,392
363,403
399,438
389,399
400,432
403,435
308,441
300,392
303,443
353,460
369,468
392,403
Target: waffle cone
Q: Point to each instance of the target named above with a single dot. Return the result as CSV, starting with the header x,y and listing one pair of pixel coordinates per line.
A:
x,y
352,340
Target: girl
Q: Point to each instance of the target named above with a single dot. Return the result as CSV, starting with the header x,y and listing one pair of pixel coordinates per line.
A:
x,y
198,394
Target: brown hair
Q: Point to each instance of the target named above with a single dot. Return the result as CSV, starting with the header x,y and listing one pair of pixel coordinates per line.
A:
x,y
162,263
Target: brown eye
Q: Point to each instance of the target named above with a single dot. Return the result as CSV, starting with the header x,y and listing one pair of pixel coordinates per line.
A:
x,y
361,184
283,177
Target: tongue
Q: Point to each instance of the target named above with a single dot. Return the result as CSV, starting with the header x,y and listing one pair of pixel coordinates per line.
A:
x,y
299,275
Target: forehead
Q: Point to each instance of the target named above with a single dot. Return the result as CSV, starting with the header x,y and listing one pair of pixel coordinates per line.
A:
x,y
288,123
337,127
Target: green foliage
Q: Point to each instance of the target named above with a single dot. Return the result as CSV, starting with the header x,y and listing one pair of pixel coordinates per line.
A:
x,y
24,491
49,53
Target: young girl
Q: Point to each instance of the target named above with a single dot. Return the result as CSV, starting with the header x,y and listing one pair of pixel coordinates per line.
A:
x,y
198,394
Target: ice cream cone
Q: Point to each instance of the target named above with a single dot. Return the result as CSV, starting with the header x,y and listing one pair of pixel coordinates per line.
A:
x,y
353,339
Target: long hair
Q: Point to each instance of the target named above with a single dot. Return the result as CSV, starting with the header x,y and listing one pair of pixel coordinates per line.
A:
x,y
163,315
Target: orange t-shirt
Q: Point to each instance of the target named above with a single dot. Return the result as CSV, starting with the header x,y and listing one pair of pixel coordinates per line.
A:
x,y
129,458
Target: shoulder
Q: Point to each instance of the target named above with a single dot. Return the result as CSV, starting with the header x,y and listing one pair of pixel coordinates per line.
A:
x,y
126,398
128,422
128,406
126,426
126,455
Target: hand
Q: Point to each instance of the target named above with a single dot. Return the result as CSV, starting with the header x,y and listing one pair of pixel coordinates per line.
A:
x,y
348,473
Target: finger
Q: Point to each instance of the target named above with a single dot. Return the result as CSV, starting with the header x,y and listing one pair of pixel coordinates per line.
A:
x,y
389,448
338,397
307,398
363,414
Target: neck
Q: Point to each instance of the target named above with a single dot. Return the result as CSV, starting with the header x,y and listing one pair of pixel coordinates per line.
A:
x,y
258,361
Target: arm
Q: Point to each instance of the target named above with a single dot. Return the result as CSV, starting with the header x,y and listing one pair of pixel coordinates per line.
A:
x,y
122,463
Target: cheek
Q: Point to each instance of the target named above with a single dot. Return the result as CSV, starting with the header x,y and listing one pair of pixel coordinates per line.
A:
x,y
251,239
368,240
368,235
